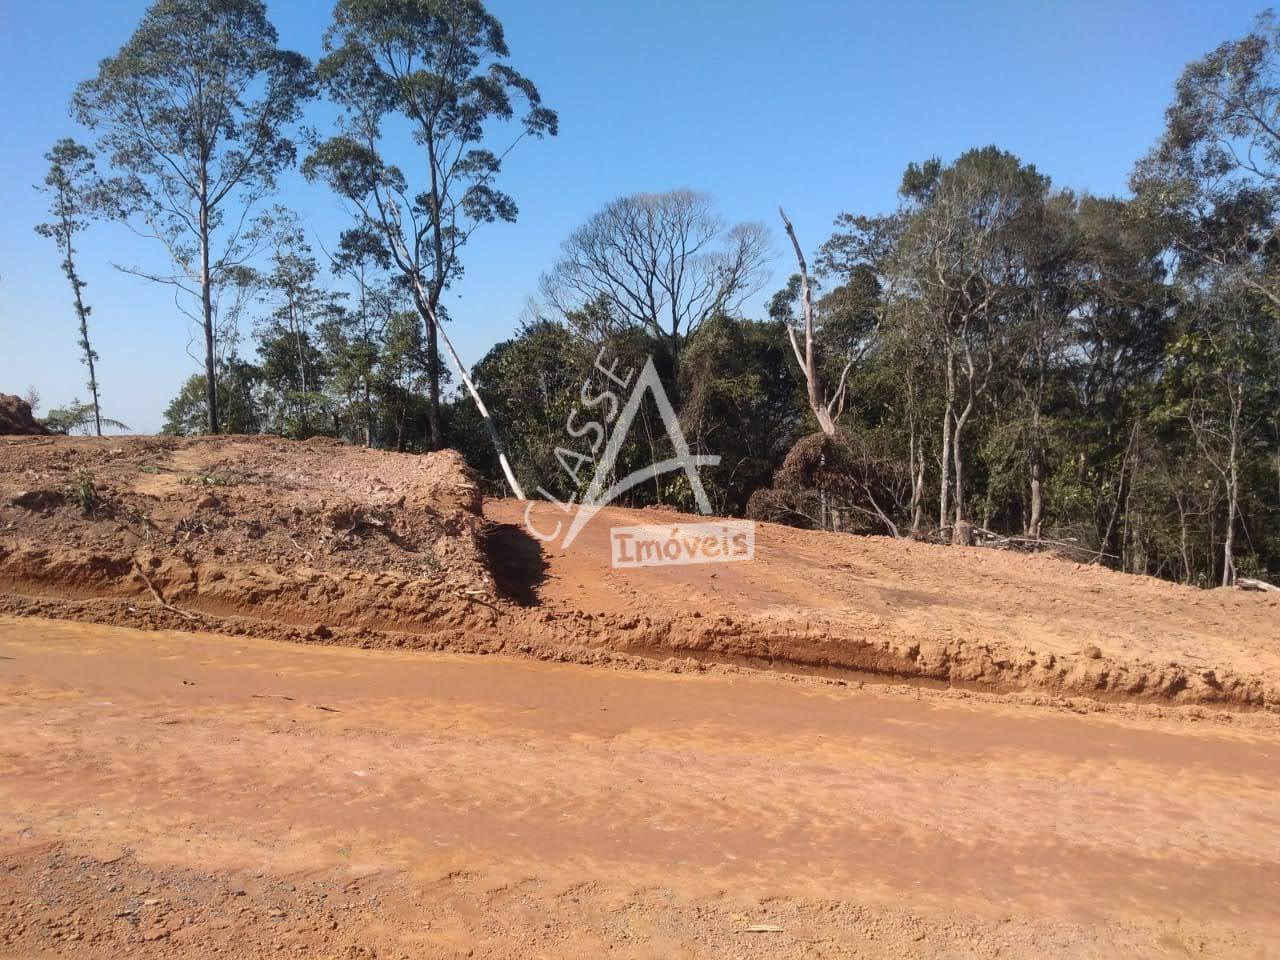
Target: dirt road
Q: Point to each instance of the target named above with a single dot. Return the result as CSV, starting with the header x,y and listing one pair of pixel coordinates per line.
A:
x,y
181,795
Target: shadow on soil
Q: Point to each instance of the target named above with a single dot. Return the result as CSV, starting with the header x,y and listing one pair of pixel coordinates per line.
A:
x,y
515,561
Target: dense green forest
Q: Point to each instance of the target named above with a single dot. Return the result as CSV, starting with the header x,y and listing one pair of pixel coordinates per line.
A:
x,y
989,356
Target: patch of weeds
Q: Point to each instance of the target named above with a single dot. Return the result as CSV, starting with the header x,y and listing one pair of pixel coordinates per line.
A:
x,y
133,516
431,562
148,468
82,490
216,478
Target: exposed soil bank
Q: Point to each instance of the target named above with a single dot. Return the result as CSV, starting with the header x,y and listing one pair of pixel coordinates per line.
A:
x,y
16,417
327,543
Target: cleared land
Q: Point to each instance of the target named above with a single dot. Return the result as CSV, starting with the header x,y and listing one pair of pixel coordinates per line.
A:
x,y
165,794
327,543
947,753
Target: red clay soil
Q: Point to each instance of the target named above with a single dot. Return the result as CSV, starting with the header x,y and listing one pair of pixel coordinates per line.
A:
x,y
303,535
169,795
322,542
195,790
842,604
16,417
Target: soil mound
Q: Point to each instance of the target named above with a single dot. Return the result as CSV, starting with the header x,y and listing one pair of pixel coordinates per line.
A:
x,y
16,418
303,534
841,605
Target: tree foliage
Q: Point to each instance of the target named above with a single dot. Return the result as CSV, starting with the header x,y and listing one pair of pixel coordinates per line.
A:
x,y
441,66
194,112
76,193
987,357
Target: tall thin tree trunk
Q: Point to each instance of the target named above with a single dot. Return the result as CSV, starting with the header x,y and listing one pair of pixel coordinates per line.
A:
x,y
83,314
1233,491
917,497
961,530
302,373
944,483
433,374
368,414
1037,498
433,300
1037,468
93,376
958,532
915,457
944,490
206,305
1184,541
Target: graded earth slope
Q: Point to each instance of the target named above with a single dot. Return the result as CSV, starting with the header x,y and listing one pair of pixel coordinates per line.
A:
x,y
328,543
304,535
838,603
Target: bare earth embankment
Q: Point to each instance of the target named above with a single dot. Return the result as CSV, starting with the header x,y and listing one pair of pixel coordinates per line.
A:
x,y
323,542
1052,761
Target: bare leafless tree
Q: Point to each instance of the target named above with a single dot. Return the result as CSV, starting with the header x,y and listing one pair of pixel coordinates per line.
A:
x,y
826,409
665,261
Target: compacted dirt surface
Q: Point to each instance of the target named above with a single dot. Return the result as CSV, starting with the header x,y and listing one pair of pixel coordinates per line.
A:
x,y
476,744
170,794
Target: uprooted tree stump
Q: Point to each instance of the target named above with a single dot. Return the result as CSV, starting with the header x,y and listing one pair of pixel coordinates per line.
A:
x,y
835,482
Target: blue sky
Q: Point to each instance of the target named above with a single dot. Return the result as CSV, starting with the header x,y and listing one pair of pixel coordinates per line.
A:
x,y
818,106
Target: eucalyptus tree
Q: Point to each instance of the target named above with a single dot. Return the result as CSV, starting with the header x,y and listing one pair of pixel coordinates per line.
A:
x,y
75,194
1213,179
353,336
1210,188
1041,331
958,245
194,111
440,68
288,337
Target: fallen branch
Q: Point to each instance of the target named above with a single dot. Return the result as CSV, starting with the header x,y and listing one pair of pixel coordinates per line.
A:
x,y
1249,583
156,593
996,539
893,527
306,554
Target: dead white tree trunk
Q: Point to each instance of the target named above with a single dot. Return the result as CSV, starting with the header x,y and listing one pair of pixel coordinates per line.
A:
x,y
825,410
494,437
